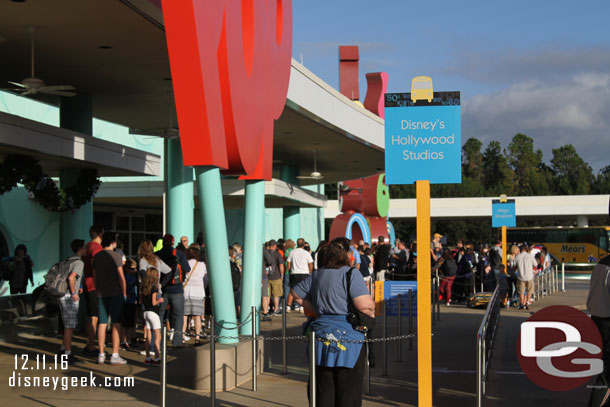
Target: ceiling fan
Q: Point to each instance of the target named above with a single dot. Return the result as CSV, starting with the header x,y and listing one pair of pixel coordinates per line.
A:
x,y
34,85
315,174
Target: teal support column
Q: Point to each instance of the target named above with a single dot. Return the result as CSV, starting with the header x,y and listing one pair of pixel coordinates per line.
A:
x,y
289,173
292,222
180,213
217,248
253,253
74,114
292,216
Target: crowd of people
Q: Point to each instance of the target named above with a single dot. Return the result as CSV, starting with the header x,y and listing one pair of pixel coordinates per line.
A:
x,y
168,284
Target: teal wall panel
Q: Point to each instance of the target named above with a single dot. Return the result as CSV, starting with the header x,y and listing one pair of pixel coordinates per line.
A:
x,y
22,220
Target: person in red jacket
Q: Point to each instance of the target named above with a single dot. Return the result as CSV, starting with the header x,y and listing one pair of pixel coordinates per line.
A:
x,y
90,293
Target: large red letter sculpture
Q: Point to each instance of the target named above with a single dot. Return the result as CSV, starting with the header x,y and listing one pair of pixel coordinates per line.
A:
x,y
230,63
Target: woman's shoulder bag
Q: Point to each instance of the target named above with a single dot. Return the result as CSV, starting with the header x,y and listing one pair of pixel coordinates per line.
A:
x,y
359,321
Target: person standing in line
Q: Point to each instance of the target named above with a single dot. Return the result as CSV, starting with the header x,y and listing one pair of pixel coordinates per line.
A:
x,y
526,265
151,300
21,270
275,268
598,305
288,248
495,257
448,271
112,292
171,283
511,272
128,319
183,245
68,304
382,258
236,278
355,254
300,264
340,355
194,291
90,292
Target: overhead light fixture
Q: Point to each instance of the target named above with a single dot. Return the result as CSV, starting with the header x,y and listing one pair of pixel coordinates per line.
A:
x,y
105,47
18,1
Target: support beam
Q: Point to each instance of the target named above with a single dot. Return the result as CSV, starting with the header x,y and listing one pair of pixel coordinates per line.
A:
x,y
180,192
217,248
582,221
253,252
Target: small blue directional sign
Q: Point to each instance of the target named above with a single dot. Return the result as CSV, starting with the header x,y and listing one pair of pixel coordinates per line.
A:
x,y
503,213
423,140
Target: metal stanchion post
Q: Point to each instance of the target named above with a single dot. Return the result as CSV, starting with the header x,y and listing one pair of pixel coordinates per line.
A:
x,y
384,347
399,309
284,344
312,368
367,371
563,277
411,319
163,364
479,373
212,361
438,303
254,347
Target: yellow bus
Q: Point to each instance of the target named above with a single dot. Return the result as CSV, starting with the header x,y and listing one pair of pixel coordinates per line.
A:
x,y
566,244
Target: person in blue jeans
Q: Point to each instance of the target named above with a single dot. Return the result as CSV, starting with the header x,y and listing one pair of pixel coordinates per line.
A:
x,y
173,292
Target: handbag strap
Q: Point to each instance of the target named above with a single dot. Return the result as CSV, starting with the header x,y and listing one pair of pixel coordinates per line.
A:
x,y
190,274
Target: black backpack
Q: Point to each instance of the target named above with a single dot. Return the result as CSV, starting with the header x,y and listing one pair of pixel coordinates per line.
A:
x,y
176,276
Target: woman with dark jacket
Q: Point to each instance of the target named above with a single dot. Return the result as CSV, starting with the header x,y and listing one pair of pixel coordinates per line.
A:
x,y
340,358
448,271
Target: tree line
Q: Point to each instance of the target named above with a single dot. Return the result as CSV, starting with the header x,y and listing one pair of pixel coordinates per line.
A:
x,y
518,170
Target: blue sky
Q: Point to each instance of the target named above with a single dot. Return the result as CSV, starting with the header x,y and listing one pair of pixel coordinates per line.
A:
x,y
537,67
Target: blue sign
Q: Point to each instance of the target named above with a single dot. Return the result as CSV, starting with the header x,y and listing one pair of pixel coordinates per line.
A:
x,y
390,295
503,214
423,141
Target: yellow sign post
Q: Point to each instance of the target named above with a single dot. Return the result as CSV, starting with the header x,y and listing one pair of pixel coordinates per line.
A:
x,y
423,133
424,300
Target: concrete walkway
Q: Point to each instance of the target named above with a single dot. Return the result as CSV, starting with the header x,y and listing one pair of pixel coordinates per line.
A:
x,y
454,369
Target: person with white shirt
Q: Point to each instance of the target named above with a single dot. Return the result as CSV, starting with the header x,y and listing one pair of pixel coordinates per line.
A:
x,y
194,291
526,265
300,264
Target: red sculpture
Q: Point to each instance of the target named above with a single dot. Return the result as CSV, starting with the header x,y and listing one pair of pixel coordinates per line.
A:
x,y
230,63
365,203
377,85
349,83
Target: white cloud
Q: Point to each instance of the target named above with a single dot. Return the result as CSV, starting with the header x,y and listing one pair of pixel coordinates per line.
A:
x,y
569,111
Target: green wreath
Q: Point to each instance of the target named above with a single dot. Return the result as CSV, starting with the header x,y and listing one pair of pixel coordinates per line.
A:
x,y
21,169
